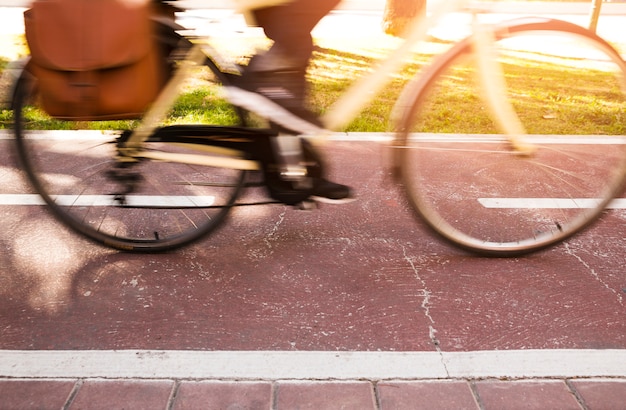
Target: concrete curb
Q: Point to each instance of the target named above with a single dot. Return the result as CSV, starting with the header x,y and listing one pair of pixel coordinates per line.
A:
x,y
318,365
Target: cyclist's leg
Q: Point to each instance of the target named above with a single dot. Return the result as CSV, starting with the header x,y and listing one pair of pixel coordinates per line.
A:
x,y
274,83
290,26
278,76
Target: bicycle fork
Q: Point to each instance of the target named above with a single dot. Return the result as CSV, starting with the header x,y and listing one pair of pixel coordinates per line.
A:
x,y
493,86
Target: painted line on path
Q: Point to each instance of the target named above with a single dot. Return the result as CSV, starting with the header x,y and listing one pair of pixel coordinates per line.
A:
x,y
318,365
190,201
549,203
82,135
136,201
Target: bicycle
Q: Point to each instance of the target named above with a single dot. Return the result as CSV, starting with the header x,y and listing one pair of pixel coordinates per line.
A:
x,y
509,192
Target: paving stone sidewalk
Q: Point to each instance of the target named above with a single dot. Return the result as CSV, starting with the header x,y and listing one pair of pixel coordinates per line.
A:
x,y
601,394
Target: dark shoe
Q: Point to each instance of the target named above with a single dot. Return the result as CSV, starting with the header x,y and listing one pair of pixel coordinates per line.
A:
x,y
331,192
324,190
312,185
277,96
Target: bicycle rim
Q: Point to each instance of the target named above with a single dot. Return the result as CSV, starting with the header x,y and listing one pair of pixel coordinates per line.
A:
x,y
468,182
70,164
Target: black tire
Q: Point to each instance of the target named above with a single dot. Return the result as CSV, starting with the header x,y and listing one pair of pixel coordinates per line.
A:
x,y
471,186
72,166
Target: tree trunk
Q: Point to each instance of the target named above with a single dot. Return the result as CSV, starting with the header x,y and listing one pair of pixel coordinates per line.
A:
x,y
399,13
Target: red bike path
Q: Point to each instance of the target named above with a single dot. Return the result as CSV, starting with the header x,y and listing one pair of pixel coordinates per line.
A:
x,y
279,305
355,306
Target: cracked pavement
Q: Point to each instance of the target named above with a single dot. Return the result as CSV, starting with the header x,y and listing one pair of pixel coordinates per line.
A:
x,y
362,276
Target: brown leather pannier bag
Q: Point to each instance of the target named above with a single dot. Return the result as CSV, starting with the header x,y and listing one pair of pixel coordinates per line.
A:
x,y
94,59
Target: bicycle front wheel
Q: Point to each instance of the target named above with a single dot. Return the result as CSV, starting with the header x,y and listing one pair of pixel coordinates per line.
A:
x,y
143,206
472,186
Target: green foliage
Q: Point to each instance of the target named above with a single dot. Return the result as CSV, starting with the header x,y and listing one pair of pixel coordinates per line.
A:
x,y
548,99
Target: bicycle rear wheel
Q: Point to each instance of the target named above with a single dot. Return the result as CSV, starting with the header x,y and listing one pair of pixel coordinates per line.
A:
x,y
467,181
72,166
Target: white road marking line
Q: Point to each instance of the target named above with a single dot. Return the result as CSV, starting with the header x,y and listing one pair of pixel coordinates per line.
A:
x,y
162,200
371,137
64,135
319,365
21,199
108,200
549,203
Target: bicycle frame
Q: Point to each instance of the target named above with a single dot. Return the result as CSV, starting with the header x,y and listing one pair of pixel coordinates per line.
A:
x,y
477,186
353,100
